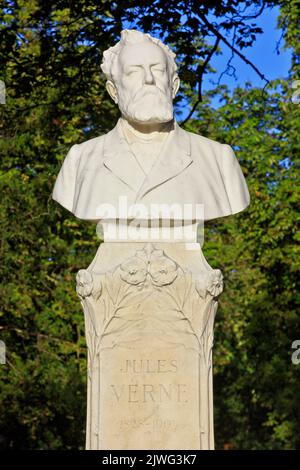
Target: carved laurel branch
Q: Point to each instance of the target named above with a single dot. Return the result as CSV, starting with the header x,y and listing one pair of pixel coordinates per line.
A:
x,y
132,281
195,298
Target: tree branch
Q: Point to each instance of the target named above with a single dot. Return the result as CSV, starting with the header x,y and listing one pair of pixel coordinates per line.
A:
x,y
255,15
200,73
232,48
229,66
38,335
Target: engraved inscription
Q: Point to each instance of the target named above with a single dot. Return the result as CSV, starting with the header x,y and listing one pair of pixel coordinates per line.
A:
x,y
149,392
158,393
137,366
154,425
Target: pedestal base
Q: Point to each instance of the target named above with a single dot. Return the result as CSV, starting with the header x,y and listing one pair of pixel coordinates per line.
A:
x,y
149,313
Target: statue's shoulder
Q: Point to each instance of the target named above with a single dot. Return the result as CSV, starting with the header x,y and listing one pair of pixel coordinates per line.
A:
x,y
203,148
90,145
200,140
88,153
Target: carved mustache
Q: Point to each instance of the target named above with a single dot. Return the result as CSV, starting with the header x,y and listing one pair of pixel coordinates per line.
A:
x,y
148,90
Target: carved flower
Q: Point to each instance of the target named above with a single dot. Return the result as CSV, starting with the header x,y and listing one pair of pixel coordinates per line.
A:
x,y
211,283
215,286
84,280
134,271
162,269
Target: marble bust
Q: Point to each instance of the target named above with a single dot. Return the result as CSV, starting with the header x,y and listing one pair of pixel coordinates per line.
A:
x,y
147,158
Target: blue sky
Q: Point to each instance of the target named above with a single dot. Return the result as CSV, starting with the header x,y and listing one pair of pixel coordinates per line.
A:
x,y
263,54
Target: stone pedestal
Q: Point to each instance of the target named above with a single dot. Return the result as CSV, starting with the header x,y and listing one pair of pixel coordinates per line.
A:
x,y
149,313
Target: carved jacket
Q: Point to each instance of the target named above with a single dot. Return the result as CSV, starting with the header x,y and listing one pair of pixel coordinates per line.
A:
x,y
191,169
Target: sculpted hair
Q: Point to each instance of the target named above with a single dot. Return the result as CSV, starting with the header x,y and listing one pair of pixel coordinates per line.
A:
x,y
128,37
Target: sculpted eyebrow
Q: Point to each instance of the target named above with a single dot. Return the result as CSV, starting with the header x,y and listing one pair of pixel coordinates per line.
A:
x,y
130,66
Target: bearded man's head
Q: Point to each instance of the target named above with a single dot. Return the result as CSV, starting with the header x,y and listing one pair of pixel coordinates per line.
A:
x,y
141,77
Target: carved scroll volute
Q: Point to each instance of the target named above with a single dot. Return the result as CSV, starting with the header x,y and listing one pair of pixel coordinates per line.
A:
x,y
208,286
89,289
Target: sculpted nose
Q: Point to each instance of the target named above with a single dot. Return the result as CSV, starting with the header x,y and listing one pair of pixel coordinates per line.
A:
x,y
148,77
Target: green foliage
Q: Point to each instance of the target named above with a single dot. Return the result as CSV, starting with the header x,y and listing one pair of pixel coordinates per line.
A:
x,y
50,57
256,392
43,382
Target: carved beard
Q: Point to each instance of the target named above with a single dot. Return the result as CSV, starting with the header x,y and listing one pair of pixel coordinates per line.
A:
x,y
149,104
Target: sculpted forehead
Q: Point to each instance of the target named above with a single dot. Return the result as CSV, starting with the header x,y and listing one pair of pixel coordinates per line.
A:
x,y
144,53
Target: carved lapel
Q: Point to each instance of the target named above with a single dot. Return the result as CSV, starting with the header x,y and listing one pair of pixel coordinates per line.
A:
x,y
174,158
120,160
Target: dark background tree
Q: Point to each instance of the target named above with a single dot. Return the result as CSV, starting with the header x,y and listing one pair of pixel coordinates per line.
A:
x,y
50,62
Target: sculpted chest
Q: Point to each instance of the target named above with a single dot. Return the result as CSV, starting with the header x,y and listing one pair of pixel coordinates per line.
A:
x,y
183,174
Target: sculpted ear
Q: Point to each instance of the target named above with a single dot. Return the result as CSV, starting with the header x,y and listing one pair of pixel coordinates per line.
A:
x,y
112,91
176,83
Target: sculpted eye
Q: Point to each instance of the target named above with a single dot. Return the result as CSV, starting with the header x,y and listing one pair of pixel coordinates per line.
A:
x,y
132,71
